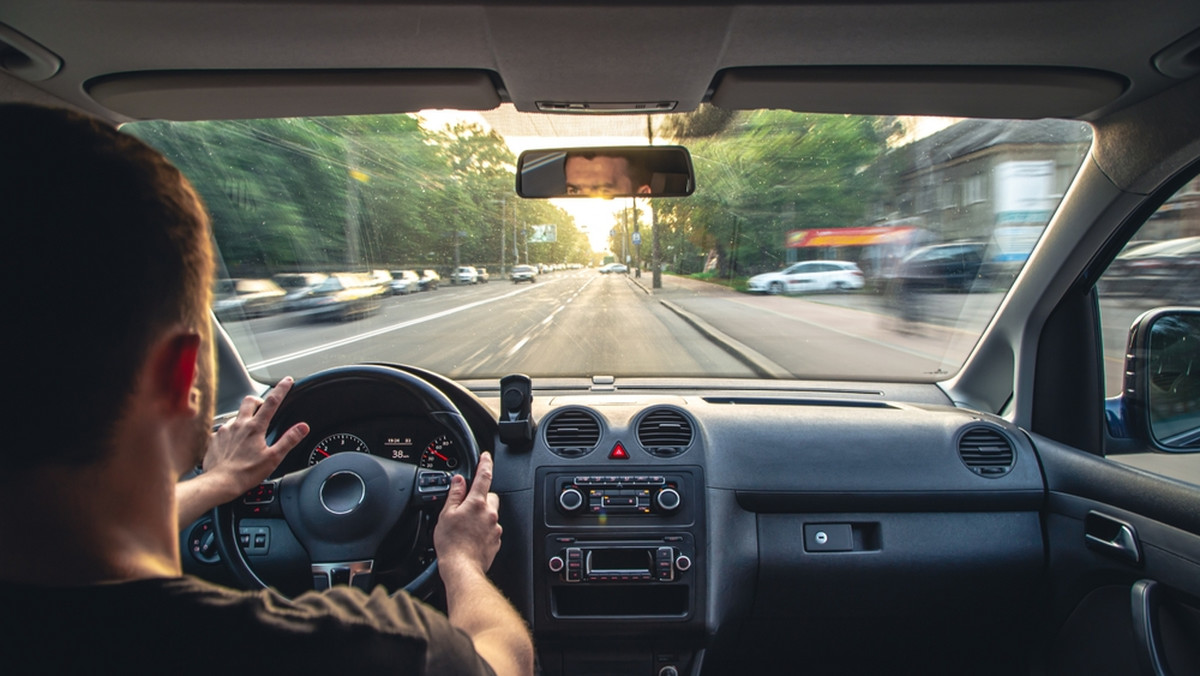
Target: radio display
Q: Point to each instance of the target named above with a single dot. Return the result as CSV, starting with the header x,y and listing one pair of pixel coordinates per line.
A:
x,y
620,561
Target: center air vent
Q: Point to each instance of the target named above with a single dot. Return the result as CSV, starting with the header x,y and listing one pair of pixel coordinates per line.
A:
x,y
572,433
665,432
986,452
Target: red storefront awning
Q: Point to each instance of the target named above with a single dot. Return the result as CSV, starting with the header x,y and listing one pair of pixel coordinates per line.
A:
x,y
863,236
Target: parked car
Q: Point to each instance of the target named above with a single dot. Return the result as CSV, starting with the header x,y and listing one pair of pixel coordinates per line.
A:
x,y
341,297
1165,270
246,298
809,276
429,280
523,273
404,282
465,274
481,275
691,480
298,286
942,267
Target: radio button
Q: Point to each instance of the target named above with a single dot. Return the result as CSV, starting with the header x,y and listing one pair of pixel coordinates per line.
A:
x,y
570,499
668,499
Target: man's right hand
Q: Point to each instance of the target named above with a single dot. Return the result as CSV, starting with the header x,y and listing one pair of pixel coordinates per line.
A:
x,y
468,530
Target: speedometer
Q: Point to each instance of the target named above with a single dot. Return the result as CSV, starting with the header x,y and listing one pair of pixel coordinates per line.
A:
x,y
336,443
440,454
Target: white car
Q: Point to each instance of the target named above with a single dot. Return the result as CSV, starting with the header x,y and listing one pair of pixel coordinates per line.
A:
x,y
465,274
809,276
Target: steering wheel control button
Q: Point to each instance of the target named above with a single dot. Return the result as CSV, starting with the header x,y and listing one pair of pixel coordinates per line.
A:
x,y
255,540
828,537
433,486
342,492
262,494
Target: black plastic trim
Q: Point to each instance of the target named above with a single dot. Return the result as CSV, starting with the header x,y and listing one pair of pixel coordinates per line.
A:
x,y
879,501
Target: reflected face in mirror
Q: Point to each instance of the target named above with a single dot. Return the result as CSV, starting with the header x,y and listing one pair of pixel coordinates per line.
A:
x,y
603,176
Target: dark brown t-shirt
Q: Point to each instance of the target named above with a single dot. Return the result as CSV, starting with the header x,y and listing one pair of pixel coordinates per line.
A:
x,y
186,625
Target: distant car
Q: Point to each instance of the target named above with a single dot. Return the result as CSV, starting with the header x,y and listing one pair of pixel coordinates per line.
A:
x,y
942,267
429,280
613,267
523,273
404,282
247,298
465,274
809,276
482,275
341,297
1167,270
298,285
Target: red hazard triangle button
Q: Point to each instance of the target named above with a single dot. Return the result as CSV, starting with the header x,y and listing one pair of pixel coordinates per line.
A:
x,y
618,453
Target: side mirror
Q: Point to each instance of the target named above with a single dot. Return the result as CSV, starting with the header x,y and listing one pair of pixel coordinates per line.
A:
x,y
606,172
1160,398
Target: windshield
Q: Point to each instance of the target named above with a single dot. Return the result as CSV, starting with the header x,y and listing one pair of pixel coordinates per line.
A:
x,y
927,222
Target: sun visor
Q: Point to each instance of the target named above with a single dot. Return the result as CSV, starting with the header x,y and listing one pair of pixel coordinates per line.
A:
x,y
237,94
951,92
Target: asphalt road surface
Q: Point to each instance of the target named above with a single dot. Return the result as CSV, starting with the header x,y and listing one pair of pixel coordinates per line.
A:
x,y
582,323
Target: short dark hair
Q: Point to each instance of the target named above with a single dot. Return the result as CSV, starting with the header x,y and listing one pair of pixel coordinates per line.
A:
x,y
109,246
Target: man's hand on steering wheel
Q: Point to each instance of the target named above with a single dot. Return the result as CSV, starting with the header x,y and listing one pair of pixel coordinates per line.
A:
x,y
468,530
238,456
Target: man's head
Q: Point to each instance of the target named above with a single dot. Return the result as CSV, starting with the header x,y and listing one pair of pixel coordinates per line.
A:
x,y
596,175
110,254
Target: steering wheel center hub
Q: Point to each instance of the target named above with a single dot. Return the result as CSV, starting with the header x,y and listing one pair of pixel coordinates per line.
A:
x,y
342,492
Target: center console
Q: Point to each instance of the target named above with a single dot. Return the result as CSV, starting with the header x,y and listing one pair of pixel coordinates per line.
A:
x,y
620,559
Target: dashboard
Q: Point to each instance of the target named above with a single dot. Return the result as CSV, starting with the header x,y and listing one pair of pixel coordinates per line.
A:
x,y
649,531
413,440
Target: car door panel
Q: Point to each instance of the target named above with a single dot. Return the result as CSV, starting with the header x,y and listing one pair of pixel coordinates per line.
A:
x,y
1100,595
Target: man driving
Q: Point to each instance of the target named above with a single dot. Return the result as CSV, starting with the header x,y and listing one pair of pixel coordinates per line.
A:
x,y
121,406
600,175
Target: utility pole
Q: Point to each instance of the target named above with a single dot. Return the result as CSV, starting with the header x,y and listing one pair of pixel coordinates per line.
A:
x,y
655,246
503,227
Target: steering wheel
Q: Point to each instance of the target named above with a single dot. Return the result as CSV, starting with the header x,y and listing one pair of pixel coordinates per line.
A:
x,y
351,510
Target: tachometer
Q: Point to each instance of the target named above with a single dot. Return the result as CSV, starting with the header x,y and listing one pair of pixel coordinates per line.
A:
x,y
440,454
336,443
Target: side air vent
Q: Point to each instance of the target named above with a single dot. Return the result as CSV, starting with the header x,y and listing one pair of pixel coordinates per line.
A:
x,y
665,432
986,452
572,433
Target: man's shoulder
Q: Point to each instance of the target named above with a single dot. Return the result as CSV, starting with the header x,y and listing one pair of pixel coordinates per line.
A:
x,y
171,618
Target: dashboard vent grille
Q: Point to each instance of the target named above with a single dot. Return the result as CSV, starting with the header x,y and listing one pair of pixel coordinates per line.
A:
x,y
665,432
986,452
573,433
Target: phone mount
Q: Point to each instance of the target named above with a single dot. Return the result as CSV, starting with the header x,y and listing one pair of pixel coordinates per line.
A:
x,y
516,402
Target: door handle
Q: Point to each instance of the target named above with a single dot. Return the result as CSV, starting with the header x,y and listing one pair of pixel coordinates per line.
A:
x,y
1145,597
1111,536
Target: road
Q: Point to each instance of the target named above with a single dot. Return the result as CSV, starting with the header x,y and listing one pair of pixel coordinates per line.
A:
x,y
581,323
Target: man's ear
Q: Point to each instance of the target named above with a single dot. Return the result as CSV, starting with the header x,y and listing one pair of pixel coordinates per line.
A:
x,y
175,371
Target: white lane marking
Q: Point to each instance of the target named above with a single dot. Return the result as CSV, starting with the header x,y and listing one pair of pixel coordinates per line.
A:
x,y
381,331
520,344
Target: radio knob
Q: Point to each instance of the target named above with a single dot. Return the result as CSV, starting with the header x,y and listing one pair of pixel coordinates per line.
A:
x,y
682,562
668,670
570,499
668,499
557,564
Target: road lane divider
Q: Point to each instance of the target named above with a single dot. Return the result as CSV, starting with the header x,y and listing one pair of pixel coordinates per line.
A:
x,y
266,363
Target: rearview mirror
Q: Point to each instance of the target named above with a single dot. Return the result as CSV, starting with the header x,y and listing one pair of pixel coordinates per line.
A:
x,y
606,172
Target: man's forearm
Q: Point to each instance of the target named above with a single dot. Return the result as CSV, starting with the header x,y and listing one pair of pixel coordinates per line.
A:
x,y
198,495
474,605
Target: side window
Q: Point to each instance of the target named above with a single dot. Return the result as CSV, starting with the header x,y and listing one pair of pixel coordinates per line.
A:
x,y
1159,266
